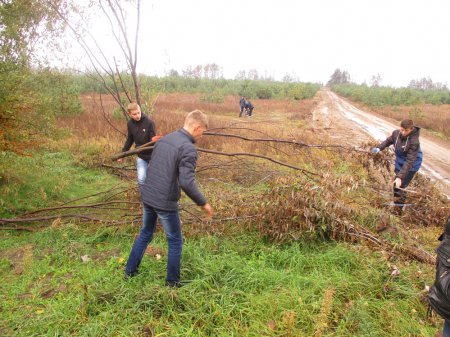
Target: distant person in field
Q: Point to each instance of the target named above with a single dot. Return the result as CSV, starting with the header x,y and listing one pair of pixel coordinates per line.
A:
x,y
141,130
241,106
249,108
408,158
171,169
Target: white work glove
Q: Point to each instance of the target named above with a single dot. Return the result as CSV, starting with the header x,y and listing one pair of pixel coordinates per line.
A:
x,y
375,150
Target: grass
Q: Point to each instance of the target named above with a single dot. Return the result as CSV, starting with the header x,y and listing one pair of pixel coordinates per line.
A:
x,y
237,286
45,178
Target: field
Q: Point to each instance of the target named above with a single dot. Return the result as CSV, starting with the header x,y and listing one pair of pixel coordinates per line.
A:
x,y
429,109
307,248
434,118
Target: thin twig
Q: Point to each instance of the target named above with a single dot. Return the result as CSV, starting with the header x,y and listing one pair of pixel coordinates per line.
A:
x,y
90,196
82,206
28,229
293,142
258,156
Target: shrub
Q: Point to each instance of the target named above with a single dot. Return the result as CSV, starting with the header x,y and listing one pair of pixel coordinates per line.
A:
x,y
380,96
213,97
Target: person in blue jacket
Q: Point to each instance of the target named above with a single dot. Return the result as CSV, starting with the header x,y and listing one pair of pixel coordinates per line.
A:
x,y
249,108
408,157
170,170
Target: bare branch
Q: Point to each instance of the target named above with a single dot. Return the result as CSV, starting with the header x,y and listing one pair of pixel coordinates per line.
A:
x,y
131,152
92,195
82,206
28,229
293,142
107,119
121,82
258,156
120,19
50,217
61,216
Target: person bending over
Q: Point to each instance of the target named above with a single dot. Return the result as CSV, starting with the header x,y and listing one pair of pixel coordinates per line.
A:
x,y
249,108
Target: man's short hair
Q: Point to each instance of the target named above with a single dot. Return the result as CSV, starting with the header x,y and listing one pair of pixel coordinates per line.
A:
x,y
407,124
133,106
196,117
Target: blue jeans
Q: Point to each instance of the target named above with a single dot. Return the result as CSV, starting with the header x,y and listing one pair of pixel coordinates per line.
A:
x,y
400,195
446,332
141,166
170,220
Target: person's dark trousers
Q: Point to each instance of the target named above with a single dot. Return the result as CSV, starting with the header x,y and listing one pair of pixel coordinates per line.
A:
x,y
250,111
170,220
241,111
400,193
446,332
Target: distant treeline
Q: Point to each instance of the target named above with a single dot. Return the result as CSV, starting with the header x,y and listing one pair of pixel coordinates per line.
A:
x,y
381,96
217,89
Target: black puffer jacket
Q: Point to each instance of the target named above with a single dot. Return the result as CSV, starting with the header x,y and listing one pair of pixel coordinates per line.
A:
x,y
140,132
439,295
171,169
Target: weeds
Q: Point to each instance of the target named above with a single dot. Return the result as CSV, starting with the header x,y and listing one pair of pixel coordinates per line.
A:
x,y
235,286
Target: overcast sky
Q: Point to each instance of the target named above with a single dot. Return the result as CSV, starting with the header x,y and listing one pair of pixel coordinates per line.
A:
x,y
399,39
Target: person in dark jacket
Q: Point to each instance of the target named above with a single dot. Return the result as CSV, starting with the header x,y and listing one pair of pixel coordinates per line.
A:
x,y
438,296
408,157
141,130
241,106
171,169
249,108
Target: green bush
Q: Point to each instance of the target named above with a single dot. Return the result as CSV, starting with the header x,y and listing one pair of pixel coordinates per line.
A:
x,y
416,114
381,96
213,97
212,89
29,102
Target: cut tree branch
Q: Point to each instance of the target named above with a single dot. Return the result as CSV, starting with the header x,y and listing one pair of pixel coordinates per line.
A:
x,y
82,206
294,142
236,154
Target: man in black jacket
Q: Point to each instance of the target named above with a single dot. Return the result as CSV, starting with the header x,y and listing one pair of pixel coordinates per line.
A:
x,y
439,294
141,130
171,169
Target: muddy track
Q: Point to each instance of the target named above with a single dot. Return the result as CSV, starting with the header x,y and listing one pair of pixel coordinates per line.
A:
x,y
350,125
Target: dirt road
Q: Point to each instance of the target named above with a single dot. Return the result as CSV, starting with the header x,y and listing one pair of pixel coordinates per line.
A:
x,y
350,125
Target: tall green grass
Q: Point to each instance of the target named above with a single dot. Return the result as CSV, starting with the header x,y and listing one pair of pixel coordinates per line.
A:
x,y
235,286
44,178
